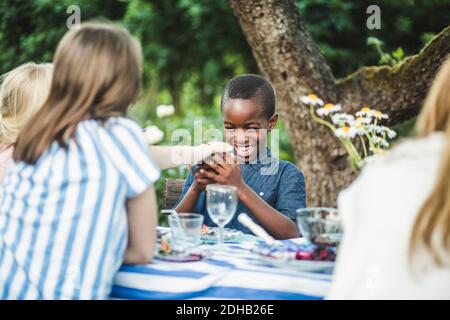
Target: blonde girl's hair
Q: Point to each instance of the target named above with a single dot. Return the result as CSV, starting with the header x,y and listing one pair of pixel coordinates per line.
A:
x,y
22,92
432,226
97,75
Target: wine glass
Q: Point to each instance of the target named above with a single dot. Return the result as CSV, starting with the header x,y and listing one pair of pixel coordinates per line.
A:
x,y
221,202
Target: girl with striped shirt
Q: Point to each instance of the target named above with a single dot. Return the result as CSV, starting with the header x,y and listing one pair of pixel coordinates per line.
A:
x,y
77,201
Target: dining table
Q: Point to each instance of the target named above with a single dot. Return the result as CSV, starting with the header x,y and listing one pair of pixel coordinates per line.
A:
x,y
236,272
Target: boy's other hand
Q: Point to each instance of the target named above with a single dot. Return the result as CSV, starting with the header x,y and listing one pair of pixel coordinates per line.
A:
x,y
226,170
201,179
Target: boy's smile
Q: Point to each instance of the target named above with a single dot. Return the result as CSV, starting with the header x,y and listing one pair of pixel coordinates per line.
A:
x,y
246,127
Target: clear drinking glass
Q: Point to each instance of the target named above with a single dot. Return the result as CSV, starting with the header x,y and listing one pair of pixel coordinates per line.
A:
x,y
186,230
221,202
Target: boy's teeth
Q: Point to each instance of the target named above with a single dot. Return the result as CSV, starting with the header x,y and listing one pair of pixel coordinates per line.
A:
x,y
244,150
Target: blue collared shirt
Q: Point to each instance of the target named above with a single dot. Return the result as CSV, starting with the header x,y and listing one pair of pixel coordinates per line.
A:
x,y
279,183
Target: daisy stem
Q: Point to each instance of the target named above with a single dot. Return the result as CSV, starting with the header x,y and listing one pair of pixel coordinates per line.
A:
x,y
369,138
321,121
355,151
375,125
364,146
355,158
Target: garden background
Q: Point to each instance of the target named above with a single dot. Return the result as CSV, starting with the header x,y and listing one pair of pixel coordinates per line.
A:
x,y
193,47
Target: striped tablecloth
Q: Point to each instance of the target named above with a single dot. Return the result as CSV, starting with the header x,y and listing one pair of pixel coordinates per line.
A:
x,y
234,274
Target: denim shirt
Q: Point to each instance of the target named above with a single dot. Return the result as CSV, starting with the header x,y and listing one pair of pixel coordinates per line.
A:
x,y
279,183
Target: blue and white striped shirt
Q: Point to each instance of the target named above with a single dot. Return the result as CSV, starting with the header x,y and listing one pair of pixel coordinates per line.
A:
x,y
63,222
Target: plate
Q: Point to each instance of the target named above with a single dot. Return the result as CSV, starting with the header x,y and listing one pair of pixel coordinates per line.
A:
x,y
299,265
181,257
229,235
188,255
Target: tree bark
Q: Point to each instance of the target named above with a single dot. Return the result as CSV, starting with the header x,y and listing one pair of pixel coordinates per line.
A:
x,y
289,58
398,90
175,90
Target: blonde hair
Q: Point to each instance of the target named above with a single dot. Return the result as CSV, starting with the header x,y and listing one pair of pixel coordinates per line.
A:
x,y
97,75
432,226
22,92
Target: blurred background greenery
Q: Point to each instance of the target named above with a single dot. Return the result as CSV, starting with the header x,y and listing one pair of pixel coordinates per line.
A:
x,y
193,47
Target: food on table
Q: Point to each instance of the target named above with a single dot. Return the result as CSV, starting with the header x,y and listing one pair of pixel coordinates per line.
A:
x,y
204,229
316,253
293,251
165,247
332,240
165,250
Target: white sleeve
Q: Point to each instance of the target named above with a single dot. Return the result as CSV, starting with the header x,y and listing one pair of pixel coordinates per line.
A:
x,y
124,142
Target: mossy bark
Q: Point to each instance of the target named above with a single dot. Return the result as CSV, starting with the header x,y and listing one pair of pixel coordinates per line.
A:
x,y
289,58
398,90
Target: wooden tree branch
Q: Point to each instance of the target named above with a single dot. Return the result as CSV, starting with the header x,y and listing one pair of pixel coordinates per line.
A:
x,y
398,90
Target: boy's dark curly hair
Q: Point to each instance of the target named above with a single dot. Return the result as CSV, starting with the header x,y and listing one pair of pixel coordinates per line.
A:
x,y
251,86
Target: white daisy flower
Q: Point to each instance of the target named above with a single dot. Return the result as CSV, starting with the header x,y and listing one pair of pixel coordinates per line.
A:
x,y
380,141
379,115
374,128
164,110
389,132
328,109
311,100
359,129
342,118
383,130
363,120
365,112
153,134
345,132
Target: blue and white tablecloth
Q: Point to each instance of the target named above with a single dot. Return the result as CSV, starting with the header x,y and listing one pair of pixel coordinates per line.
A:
x,y
234,274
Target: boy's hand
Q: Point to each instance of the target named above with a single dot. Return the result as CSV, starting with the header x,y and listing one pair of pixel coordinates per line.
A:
x,y
201,178
226,170
205,150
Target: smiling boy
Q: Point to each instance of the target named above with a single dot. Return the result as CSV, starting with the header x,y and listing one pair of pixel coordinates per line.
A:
x,y
269,190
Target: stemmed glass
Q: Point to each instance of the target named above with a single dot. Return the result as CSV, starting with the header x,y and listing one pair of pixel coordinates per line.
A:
x,y
221,202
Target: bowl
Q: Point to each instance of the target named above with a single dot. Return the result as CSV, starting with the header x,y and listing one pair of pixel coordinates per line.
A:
x,y
320,226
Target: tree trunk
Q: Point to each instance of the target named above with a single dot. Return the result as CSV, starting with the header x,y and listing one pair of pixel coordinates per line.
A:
x,y
174,89
293,63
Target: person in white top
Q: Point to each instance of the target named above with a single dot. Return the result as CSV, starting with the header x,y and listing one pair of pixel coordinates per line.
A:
x,y
396,215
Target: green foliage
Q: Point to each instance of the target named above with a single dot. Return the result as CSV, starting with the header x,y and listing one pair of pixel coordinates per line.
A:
x,y
30,30
406,128
398,54
427,37
339,28
199,42
386,58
